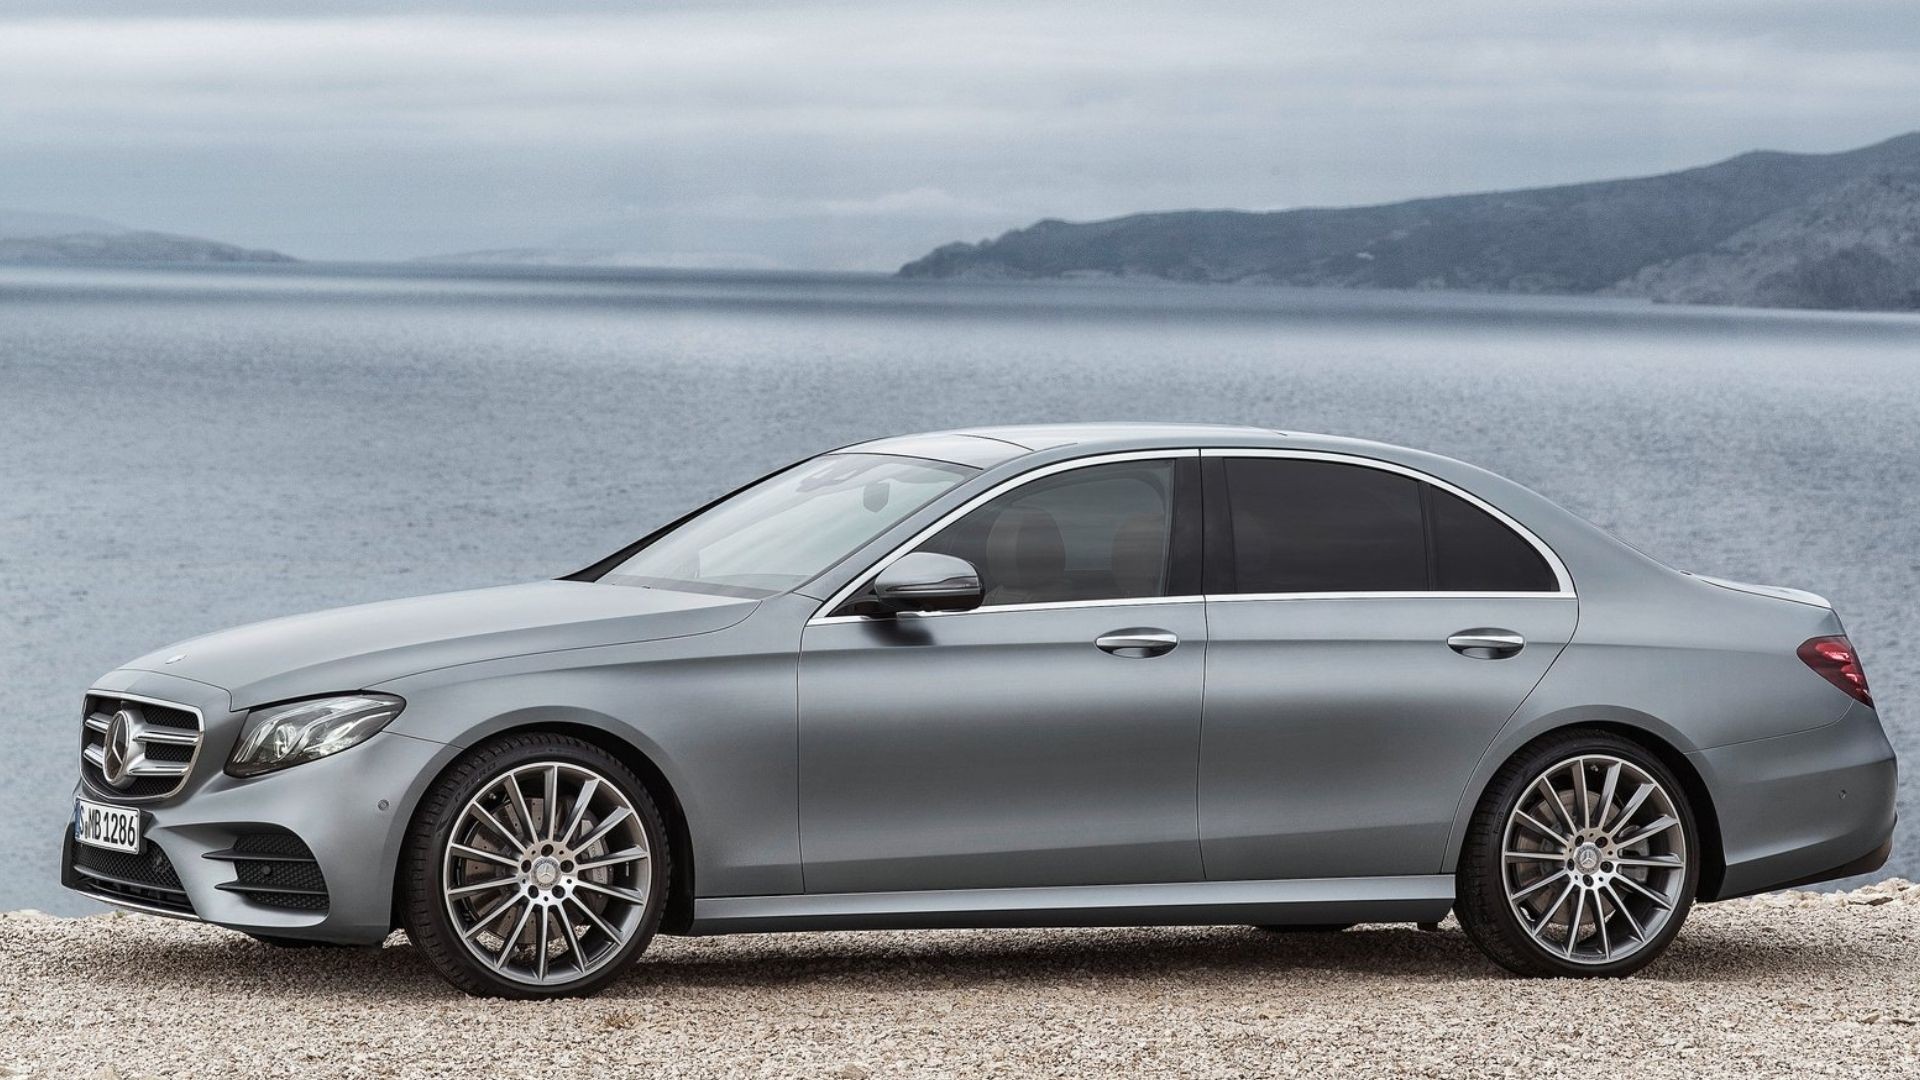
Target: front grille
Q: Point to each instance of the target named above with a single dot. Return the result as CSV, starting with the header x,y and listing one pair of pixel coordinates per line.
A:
x,y
275,869
147,879
156,753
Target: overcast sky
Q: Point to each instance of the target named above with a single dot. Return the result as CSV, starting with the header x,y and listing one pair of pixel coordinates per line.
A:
x,y
858,135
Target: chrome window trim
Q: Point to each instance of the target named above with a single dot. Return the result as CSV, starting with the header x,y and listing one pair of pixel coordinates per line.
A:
x,y
820,618
1560,575
1056,605
121,797
1228,598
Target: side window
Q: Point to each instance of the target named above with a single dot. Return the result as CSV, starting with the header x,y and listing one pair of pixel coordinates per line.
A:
x,y
1097,533
1474,552
1317,526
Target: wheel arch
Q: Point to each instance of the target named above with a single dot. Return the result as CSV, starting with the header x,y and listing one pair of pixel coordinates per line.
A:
x,y
678,912
1647,733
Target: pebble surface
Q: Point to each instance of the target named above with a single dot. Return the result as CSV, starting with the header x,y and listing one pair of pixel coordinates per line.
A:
x,y
1792,983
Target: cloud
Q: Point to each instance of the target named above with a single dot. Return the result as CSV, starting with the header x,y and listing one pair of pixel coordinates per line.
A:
x,y
858,134
919,202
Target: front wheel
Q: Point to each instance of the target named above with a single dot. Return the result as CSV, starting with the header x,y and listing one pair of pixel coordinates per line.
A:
x,y
536,867
1581,860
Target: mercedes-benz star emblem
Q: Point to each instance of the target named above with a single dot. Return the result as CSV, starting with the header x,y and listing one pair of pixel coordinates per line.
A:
x,y
121,748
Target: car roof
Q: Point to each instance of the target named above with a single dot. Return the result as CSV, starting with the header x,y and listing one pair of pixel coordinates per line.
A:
x,y
1049,436
983,447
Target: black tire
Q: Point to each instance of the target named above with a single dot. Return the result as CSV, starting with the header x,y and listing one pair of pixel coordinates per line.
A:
x,y
1483,908
1308,928
424,909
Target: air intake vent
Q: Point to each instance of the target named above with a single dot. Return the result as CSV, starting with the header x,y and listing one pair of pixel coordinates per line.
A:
x,y
274,869
147,879
135,749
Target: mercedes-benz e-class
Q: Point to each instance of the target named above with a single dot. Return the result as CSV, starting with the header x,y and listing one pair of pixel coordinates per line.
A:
x,y
1083,675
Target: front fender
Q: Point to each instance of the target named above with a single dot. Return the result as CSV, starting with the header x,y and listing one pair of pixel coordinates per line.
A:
x,y
716,714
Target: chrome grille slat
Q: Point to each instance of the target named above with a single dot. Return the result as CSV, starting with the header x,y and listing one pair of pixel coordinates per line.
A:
x,y
168,752
172,738
163,738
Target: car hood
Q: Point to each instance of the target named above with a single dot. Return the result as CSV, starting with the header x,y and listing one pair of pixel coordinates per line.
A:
x,y
352,648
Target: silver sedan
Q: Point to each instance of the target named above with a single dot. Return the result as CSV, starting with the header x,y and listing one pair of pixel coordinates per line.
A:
x,y
1041,676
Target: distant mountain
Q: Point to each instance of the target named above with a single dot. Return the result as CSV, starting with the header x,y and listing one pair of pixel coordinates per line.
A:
x,y
65,238
1856,246
1765,228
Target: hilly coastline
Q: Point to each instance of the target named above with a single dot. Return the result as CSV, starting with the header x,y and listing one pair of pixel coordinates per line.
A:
x,y
1764,229
66,239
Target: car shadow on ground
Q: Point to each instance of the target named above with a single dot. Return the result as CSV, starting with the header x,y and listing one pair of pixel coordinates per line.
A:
x,y
233,964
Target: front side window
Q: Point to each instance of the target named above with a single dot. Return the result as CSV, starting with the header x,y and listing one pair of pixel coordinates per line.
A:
x,y
1304,526
1097,533
785,530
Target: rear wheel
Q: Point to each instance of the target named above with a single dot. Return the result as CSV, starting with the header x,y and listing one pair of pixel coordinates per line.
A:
x,y
1581,860
537,867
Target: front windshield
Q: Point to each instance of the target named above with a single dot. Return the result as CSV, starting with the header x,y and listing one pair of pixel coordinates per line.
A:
x,y
786,529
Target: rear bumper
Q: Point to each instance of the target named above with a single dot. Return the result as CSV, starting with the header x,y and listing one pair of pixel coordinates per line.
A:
x,y
1803,808
1865,864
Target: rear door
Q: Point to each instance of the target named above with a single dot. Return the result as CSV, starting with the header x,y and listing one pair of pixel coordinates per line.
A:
x,y
1370,631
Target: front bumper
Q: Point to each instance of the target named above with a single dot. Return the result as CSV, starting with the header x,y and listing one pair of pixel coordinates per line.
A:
x,y
1803,808
349,812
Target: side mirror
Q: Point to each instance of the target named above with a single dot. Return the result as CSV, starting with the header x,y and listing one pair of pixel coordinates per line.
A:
x,y
924,581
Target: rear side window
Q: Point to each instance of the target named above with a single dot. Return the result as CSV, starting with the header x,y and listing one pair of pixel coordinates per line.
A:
x,y
1303,526
1315,526
1473,552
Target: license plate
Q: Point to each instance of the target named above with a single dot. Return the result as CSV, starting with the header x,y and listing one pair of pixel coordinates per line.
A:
x,y
115,828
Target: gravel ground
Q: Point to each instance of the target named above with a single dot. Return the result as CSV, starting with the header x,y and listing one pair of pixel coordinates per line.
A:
x,y
1802,983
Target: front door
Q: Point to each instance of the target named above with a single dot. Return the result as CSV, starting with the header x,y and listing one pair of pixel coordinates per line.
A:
x,y
1050,736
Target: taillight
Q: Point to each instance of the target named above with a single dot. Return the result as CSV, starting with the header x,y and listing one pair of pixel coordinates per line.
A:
x,y
1835,660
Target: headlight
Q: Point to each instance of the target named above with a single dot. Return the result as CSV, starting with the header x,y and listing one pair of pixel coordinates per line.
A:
x,y
281,735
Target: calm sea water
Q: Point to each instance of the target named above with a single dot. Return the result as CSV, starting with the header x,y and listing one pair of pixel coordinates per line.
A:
x,y
184,450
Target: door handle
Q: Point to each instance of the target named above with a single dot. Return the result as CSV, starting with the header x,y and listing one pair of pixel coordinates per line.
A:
x,y
1487,643
1137,642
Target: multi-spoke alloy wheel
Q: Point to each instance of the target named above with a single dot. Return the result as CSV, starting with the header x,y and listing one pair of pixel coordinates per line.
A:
x,y
1585,857
546,869
545,875
1595,859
